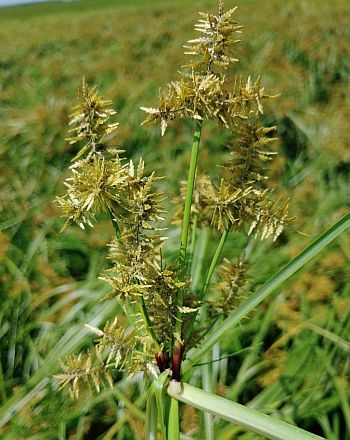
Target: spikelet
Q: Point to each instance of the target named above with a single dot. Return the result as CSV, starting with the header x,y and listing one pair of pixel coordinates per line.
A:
x,y
92,188
205,93
84,372
214,47
270,218
97,173
232,279
90,121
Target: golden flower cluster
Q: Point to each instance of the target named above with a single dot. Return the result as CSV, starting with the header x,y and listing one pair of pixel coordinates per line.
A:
x,y
238,197
232,279
90,121
215,46
163,304
102,182
116,348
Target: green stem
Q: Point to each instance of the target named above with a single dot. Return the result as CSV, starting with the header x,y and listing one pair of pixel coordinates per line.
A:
x,y
207,386
189,191
214,261
148,323
193,241
201,250
241,415
212,267
186,216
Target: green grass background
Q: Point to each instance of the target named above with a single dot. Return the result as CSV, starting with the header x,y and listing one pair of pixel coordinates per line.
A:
x,y
297,365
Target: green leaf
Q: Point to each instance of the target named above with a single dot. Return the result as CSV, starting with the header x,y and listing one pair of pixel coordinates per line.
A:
x,y
159,391
151,416
245,417
67,344
174,421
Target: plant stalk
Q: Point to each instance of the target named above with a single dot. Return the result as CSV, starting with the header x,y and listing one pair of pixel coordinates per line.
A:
x,y
189,191
215,260
197,267
193,241
210,273
148,323
178,346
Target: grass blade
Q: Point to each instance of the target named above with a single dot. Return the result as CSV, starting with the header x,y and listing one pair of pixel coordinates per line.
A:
x,y
341,386
151,417
245,417
174,425
37,383
340,342
159,392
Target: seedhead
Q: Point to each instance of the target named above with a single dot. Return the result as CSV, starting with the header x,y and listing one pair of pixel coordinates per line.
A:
x,y
162,301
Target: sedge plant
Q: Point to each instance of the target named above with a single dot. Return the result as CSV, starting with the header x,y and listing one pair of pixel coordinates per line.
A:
x,y
166,303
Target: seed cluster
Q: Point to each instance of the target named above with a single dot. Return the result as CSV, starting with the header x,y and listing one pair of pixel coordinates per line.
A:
x,y
162,304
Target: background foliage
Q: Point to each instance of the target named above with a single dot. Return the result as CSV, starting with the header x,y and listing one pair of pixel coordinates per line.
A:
x,y
296,358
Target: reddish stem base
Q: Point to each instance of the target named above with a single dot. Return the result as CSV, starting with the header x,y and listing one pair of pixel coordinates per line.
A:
x,y
176,361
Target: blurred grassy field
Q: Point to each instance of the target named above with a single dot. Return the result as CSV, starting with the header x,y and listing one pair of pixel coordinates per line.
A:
x,y
298,364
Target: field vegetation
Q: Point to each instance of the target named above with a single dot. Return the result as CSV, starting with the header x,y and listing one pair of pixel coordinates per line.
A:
x,y
289,358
